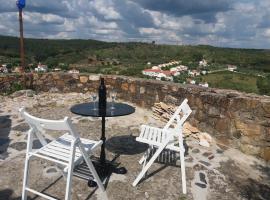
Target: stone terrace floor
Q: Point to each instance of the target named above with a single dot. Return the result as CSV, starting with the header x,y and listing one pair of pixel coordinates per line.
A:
x,y
213,173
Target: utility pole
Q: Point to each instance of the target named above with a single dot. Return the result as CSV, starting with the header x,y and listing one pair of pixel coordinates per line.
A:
x,y
21,5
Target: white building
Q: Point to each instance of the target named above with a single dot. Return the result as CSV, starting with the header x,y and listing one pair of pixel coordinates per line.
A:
x,y
155,67
41,68
57,69
73,71
159,74
203,63
3,68
204,72
193,73
151,72
193,82
204,84
232,68
182,68
174,69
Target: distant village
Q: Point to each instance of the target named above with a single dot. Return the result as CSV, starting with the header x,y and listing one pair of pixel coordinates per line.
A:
x,y
40,68
167,71
43,68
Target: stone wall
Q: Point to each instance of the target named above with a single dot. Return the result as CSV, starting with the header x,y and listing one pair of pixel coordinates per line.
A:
x,y
233,118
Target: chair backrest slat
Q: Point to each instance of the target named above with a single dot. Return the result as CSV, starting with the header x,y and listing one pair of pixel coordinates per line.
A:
x,y
45,124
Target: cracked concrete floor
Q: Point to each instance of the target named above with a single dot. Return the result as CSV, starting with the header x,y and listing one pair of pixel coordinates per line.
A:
x,y
213,173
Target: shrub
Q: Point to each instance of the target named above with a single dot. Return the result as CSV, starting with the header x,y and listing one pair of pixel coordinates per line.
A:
x,y
263,85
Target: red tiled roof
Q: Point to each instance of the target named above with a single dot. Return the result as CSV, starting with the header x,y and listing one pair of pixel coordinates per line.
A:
x,y
167,72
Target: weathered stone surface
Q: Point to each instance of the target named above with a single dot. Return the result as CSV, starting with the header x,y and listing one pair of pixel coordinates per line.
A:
x,y
250,149
201,185
222,125
205,163
54,90
19,146
60,83
94,77
195,151
202,177
245,177
142,90
248,128
213,112
124,86
51,170
21,127
265,153
132,88
83,79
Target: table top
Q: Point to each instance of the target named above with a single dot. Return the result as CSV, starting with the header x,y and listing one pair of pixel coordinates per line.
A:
x,y
87,109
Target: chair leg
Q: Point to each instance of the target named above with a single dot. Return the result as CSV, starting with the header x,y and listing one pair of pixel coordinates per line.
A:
x,y
70,173
91,167
183,172
142,158
147,166
145,156
145,160
94,172
25,178
27,160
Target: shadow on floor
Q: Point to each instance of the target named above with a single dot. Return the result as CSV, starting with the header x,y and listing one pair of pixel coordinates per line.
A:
x,y
6,194
252,189
5,127
263,169
166,158
125,145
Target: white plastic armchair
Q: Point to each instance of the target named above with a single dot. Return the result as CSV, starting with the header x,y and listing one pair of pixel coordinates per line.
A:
x,y
67,150
164,138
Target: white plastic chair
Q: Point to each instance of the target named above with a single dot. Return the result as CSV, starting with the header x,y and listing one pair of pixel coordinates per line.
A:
x,y
161,139
68,150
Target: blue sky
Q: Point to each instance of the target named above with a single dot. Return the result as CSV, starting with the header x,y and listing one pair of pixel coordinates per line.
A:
x,y
230,23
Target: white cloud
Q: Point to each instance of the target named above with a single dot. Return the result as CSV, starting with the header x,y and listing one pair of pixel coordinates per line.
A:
x,y
234,23
267,33
106,9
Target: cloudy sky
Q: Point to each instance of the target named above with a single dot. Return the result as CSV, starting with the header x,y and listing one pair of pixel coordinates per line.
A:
x,y
230,23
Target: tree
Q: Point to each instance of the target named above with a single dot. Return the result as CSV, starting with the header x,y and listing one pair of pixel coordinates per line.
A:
x,y
51,62
263,85
180,78
64,66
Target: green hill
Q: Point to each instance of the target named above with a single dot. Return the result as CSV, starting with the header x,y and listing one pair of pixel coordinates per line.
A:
x,y
52,52
130,58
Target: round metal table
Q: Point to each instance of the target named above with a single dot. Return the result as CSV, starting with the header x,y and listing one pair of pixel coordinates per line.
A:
x,y
120,109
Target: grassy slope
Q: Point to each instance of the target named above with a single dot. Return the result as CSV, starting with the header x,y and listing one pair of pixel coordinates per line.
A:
x,y
232,80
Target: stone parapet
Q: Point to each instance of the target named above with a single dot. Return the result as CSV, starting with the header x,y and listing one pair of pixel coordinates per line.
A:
x,y
235,119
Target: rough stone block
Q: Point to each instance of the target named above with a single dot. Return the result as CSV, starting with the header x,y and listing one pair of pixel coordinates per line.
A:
x,y
124,86
94,77
265,153
248,128
250,149
132,88
83,79
142,90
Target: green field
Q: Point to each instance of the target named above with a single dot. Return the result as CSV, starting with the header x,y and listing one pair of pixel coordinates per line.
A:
x,y
232,80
